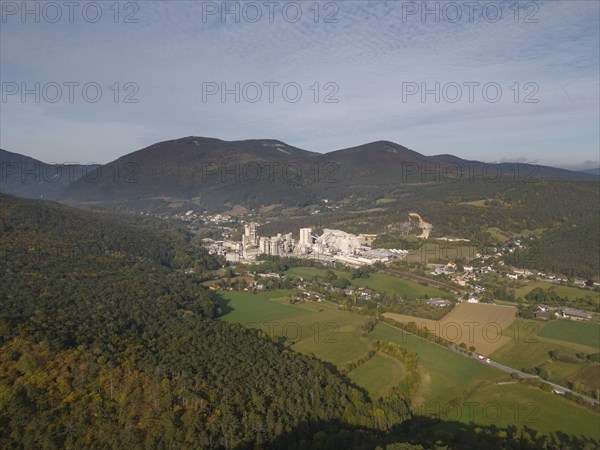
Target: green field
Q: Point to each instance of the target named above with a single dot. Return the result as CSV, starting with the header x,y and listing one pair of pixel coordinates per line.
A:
x,y
263,306
440,367
378,375
564,291
431,252
498,234
310,272
388,283
448,375
528,348
335,336
586,333
319,328
522,406
377,281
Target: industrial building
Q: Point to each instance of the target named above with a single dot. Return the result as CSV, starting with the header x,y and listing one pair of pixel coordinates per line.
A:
x,y
334,245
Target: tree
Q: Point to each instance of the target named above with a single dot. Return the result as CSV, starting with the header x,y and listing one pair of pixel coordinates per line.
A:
x,y
330,275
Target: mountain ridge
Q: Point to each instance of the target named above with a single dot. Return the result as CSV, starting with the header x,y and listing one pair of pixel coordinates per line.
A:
x,y
215,173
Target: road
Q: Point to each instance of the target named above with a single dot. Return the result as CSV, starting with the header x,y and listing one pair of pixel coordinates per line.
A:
x,y
557,387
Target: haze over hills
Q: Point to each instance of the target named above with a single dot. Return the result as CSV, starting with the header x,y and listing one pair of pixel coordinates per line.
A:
x,y
595,171
28,177
216,174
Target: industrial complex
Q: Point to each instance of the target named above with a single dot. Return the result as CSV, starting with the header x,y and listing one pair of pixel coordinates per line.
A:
x,y
332,245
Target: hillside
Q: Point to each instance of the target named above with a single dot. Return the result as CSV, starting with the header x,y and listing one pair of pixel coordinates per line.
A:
x,y
118,348
27,177
197,172
570,250
519,171
595,171
200,171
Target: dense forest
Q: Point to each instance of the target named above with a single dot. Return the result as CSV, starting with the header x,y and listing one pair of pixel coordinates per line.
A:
x,y
571,250
105,342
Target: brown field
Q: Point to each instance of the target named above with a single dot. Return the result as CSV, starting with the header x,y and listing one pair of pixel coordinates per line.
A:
x,y
475,324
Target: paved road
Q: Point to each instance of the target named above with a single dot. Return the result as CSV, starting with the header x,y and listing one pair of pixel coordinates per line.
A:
x,y
557,387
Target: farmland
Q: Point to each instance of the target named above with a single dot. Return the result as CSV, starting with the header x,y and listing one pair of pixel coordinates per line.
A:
x,y
387,283
378,375
585,333
318,328
528,347
247,311
377,281
476,383
477,325
311,272
439,367
431,252
571,293
447,378
521,406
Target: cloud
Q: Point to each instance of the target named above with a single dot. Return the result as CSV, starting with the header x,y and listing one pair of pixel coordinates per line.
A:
x,y
368,50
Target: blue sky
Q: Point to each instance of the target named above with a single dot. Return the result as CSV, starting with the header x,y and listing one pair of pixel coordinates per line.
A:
x,y
373,55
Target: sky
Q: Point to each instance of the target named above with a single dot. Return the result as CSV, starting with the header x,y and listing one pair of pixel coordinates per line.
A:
x,y
88,82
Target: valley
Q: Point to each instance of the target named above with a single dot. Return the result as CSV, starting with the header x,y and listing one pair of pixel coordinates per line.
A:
x,y
394,302
335,336
300,225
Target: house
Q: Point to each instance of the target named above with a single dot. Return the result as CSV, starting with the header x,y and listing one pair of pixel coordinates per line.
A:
x,y
542,315
512,276
544,308
523,272
472,299
439,302
573,314
459,280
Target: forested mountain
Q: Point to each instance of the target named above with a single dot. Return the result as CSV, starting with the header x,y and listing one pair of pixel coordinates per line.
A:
x,y
200,171
571,250
210,173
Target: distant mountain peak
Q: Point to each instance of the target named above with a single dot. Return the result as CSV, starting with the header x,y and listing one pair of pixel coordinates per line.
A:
x,y
196,170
